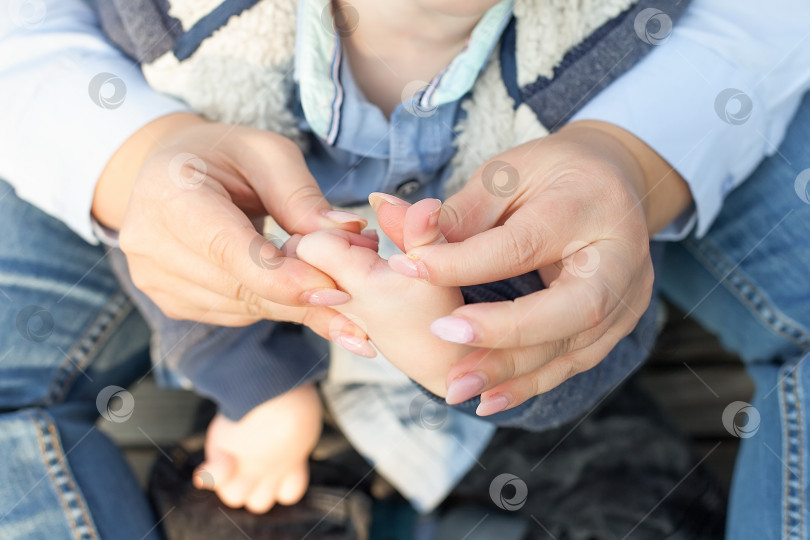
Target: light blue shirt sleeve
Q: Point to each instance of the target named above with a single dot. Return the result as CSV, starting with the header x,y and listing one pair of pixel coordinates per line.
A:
x,y
69,99
716,97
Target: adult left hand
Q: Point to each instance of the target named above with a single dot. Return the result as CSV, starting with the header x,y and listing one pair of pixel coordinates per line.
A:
x,y
579,206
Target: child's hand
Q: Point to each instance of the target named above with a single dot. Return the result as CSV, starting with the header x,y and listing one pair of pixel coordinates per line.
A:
x,y
262,459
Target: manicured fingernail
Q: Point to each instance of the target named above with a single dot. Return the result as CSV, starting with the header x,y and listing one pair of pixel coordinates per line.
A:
x,y
356,345
377,198
408,267
464,388
453,329
325,297
493,405
339,216
371,234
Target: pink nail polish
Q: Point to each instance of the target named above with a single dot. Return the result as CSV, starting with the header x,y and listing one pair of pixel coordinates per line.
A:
x,y
356,345
376,198
453,329
339,216
493,405
325,297
465,387
406,266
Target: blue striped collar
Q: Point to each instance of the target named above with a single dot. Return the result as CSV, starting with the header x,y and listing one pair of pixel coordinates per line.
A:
x,y
318,58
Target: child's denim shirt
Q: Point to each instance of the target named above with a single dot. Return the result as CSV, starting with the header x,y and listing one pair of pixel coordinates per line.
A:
x,y
354,150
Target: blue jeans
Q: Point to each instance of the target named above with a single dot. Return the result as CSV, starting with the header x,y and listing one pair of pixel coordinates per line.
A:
x,y
68,333
748,281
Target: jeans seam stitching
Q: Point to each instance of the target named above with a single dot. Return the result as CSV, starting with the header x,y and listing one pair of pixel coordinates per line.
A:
x,y
736,283
52,469
793,502
79,356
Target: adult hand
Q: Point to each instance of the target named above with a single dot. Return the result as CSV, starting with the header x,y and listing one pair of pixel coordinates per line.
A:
x,y
185,194
579,206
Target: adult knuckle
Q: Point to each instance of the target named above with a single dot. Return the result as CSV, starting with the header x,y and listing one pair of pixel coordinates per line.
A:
x,y
520,249
595,305
219,246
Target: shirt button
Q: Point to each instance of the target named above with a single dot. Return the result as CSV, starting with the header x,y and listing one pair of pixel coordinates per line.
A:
x,y
407,187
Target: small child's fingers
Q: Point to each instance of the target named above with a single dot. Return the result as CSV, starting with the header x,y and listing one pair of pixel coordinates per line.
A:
x,y
263,496
293,486
421,227
217,470
235,492
390,215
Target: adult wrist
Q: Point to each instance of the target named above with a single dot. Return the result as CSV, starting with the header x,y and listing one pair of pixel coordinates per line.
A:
x,y
662,191
115,183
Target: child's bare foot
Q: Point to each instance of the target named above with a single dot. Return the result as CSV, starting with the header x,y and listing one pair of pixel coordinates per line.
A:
x,y
395,311
262,459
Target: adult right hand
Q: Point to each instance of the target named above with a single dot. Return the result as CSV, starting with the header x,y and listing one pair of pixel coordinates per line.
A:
x,y
185,194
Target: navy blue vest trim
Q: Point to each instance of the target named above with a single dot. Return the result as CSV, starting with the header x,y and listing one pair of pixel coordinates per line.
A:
x,y
591,66
189,42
